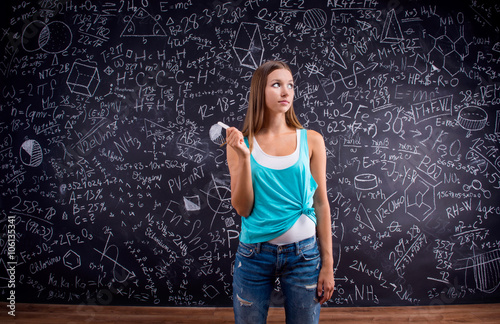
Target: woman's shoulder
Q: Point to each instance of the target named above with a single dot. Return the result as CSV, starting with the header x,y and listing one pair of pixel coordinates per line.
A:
x,y
314,136
315,142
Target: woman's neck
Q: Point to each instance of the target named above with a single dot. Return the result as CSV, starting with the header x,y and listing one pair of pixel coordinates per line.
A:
x,y
275,125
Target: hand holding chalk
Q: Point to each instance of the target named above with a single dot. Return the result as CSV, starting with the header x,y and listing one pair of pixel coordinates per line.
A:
x,y
221,124
241,142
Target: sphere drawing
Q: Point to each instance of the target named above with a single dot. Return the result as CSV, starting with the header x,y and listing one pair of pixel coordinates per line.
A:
x,y
31,153
315,18
217,134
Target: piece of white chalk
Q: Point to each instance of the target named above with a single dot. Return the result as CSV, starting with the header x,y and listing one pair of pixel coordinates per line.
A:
x,y
221,124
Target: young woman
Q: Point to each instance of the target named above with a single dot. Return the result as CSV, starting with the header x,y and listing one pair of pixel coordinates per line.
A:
x,y
278,186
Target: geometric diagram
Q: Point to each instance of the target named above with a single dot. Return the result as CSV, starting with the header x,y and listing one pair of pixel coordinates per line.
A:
x,y
486,269
248,45
420,199
368,28
31,153
142,24
336,58
472,118
210,291
158,131
72,260
496,47
391,32
218,199
123,274
31,35
365,181
229,221
54,37
83,79
363,218
216,136
192,203
315,18
109,70
364,26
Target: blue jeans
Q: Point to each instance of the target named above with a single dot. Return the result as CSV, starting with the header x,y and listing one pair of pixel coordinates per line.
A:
x,y
256,268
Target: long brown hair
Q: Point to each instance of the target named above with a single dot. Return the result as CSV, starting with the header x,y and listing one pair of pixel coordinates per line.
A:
x,y
254,119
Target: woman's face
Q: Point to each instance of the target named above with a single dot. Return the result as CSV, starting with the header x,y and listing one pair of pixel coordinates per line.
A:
x,y
279,91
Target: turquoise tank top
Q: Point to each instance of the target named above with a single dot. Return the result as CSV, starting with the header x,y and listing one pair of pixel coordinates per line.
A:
x,y
280,197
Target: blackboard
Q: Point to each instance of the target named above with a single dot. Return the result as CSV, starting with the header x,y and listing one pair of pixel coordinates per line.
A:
x,y
115,190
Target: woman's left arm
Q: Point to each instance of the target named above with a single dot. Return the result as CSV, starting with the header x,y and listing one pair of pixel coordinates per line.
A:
x,y
317,153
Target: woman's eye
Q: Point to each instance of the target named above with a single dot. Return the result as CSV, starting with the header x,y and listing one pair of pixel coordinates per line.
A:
x,y
277,85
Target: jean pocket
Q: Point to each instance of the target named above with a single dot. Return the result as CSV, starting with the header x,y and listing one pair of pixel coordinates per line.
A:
x,y
246,250
310,253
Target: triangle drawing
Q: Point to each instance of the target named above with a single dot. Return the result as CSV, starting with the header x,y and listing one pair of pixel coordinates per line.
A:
x,y
157,131
363,218
391,32
336,58
142,24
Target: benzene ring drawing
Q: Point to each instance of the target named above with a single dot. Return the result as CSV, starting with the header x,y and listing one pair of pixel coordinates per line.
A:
x,y
72,260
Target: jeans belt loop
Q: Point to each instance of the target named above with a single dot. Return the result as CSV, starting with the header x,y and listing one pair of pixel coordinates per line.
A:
x,y
257,247
297,248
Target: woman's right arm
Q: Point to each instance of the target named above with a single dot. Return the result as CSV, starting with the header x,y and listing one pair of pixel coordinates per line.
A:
x,y
238,160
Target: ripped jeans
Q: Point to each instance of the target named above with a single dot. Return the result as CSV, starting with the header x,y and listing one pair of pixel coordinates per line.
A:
x,y
256,268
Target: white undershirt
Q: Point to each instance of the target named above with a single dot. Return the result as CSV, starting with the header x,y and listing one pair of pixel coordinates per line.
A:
x,y
273,161
304,227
